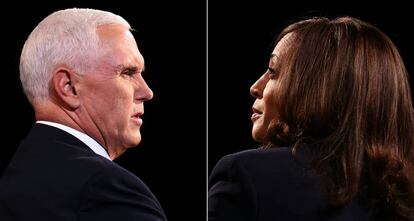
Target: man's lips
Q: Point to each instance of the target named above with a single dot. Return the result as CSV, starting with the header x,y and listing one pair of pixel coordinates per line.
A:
x,y
137,118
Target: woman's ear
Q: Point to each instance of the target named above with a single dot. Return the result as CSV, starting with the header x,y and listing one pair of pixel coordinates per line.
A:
x,y
64,88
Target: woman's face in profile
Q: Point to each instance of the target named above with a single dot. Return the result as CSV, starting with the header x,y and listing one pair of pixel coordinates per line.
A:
x,y
265,107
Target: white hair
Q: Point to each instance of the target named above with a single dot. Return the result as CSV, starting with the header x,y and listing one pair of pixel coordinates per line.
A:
x,y
65,38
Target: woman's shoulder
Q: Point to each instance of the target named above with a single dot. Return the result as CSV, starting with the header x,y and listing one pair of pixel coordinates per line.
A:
x,y
267,164
261,152
256,157
272,178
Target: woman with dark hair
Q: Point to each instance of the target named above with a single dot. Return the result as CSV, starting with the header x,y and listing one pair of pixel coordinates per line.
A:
x,y
335,116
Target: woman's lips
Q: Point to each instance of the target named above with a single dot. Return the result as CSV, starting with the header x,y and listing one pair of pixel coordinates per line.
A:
x,y
256,114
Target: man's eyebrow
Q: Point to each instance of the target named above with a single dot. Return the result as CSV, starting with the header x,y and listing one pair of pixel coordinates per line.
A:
x,y
129,68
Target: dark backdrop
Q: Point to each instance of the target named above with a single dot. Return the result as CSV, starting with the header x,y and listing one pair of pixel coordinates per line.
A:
x,y
240,42
171,35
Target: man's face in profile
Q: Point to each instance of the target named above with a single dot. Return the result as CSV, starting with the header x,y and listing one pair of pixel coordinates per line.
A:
x,y
113,96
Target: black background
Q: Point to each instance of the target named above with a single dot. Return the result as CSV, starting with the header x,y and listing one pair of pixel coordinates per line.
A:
x,y
171,35
171,158
240,42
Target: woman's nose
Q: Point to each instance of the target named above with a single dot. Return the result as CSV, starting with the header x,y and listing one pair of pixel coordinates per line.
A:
x,y
256,90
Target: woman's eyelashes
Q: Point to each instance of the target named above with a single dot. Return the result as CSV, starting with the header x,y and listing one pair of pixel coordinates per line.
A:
x,y
272,73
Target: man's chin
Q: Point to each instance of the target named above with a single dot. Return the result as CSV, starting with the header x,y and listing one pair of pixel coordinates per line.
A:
x,y
134,141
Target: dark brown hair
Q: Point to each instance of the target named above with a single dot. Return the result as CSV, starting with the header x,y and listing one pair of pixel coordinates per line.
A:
x,y
345,89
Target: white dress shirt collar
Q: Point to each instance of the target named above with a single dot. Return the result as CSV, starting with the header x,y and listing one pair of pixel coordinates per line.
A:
x,y
89,141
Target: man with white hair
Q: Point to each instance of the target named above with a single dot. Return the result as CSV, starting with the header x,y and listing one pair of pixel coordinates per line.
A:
x,y
81,71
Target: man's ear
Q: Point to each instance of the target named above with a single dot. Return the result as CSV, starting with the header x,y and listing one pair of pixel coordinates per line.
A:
x,y
64,87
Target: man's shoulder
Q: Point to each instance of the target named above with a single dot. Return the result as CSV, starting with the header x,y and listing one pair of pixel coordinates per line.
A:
x,y
112,171
50,158
91,168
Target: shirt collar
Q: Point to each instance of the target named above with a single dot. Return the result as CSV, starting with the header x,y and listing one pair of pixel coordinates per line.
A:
x,y
89,141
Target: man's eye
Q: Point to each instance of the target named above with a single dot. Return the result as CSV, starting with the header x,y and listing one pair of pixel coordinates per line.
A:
x,y
129,73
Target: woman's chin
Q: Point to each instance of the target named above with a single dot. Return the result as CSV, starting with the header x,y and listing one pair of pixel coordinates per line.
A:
x,y
257,135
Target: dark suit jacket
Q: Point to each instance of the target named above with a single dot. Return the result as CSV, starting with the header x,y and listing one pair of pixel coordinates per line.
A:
x,y
55,176
269,184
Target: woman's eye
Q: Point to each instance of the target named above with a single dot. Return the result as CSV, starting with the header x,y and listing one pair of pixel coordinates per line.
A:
x,y
272,73
272,76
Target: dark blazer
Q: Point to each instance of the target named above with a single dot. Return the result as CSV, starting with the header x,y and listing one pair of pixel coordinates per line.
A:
x,y
269,184
55,176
